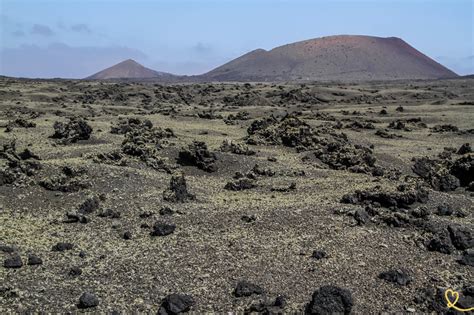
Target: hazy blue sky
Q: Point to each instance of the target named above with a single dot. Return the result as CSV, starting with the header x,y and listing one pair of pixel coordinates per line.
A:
x,y
72,38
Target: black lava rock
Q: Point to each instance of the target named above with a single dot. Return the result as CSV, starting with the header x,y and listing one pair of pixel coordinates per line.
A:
x,y
441,244
90,205
88,300
403,198
198,155
420,212
74,217
464,149
461,237
162,229
127,235
178,191
75,271
319,254
446,183
240,184
361,216
175,304
166,211
330,300
268,306
248,218
398,276
445,210
467,258
7,249
61,247
34,260
72,131
13,262
245,288
463,169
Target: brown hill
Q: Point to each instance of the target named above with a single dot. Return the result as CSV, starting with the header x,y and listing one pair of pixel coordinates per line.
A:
x,y
343,57
128,69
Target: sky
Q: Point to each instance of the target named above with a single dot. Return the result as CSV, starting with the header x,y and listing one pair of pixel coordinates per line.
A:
x,y
76,38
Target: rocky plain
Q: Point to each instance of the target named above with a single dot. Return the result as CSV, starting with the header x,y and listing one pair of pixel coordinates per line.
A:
x,y
120,197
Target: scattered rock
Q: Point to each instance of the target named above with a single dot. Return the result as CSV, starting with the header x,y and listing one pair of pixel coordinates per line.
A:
x,y
248,218
291,187
268,306
445,128
175,304
240,184
402,198
112,158
319,254
127,235
61,247
467,258
162,229
72,131
360,125
444,174
19,123
383,133
126,125
464,149
209,115
463,169
26,154
440,243
330,300
8,292
361,216
109,213
143,141
13,262
245,288
236,148
398,276
166,211
198,155
7,249
445,210
16,167
88,300
261,171
232,119
34,260
90,205
420,212
408,124
67,181
178,191
461,237
75,271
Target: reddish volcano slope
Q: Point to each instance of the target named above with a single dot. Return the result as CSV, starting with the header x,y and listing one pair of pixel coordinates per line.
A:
x,y
128,69
343,57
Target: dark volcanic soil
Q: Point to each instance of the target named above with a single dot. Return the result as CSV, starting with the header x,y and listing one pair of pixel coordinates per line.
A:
x,y
235,197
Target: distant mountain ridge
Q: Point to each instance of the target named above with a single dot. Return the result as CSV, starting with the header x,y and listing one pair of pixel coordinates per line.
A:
x,y
128,69
340,57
